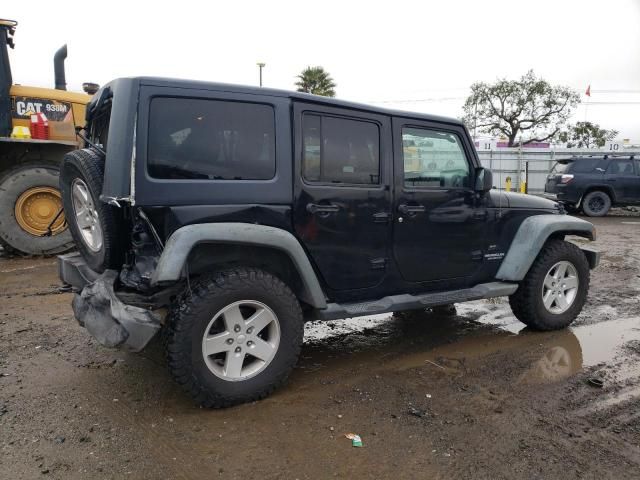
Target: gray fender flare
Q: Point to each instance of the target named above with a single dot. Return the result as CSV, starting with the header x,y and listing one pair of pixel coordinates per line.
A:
x,y
532,235
181,242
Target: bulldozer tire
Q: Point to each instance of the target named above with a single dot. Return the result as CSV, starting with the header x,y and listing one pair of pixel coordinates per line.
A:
x,y
29,202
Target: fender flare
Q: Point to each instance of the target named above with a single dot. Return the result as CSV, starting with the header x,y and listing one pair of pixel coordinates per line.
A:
x,y
530,238
182,241
608,189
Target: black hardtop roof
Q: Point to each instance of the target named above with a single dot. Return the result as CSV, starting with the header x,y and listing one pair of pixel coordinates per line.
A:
x,y
251,90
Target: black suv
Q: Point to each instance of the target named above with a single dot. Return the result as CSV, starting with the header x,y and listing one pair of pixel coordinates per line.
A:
x,y
224,217
595,184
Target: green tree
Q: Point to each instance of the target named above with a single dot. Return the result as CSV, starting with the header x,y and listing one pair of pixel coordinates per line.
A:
x,y
316,80
586,135
528,110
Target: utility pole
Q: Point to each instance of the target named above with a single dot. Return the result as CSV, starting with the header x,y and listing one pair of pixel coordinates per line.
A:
x,y
260,66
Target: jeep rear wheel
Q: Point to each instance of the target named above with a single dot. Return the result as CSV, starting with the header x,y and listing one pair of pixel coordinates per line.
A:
x,y
235,338
95,226
554,290
596,204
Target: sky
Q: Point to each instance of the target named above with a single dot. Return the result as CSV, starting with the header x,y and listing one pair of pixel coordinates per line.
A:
x,y
410,55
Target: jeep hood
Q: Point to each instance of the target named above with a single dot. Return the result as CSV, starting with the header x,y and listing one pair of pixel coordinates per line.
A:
x,y
521,200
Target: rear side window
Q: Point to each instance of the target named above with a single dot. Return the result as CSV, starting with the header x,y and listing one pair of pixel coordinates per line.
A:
x,y
210,140
621,167
340,150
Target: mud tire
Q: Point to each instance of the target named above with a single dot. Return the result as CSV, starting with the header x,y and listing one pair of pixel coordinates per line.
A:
x,y
527,304
190,316
603,199
88,165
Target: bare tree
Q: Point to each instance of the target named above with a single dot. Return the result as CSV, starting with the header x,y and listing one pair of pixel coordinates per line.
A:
x,y
528,110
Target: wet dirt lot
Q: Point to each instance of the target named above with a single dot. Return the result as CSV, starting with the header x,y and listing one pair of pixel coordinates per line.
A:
x,y
474,396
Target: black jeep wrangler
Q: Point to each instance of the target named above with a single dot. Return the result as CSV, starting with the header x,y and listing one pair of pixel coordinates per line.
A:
x,y
225,217
594,184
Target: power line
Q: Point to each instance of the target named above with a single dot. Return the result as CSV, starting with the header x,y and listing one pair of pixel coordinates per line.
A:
x,y
615,91
435,99
611,103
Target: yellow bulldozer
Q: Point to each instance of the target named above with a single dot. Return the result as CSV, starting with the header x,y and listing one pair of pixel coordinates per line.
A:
x,y
37,127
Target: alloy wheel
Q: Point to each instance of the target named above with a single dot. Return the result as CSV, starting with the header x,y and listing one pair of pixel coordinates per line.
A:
x,y
560,287
241,340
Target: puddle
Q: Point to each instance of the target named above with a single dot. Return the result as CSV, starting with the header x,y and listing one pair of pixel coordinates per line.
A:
x,y
480,329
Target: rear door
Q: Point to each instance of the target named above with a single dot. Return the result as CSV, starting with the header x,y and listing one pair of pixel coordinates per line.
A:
x,y
621,175
342,210
440,230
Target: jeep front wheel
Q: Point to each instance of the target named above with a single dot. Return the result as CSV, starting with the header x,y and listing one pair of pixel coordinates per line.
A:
x,y
235,338
554,290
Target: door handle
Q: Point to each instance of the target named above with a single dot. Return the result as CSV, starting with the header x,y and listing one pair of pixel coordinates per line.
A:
x,y
410,209
381,217
326,209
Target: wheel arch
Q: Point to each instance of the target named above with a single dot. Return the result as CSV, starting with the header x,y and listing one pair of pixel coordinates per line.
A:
x,y
226,244
206,257
531,236
599,187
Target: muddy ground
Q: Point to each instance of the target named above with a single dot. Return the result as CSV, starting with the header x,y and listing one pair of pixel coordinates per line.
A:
x,y
474,396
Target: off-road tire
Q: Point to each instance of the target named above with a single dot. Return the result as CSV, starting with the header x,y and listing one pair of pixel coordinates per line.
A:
x,y
596,194
190,316
526,303
88,165
9,251
12,184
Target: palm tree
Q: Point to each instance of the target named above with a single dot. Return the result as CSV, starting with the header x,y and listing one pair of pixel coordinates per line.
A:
x,y
316,80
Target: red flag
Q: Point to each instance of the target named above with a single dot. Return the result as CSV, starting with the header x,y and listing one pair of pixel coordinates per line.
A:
x,y
588,92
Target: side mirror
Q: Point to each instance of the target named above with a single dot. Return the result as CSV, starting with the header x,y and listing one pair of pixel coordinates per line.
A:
x,y
484,180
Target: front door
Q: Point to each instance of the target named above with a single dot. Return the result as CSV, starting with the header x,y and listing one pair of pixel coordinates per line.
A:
x,y
440,225
342,209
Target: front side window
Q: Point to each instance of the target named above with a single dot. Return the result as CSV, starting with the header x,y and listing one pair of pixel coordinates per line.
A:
x,y
210,140
621,167
340,150
434,158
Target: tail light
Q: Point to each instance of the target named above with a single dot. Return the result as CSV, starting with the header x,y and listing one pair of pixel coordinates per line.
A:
x,y
566,178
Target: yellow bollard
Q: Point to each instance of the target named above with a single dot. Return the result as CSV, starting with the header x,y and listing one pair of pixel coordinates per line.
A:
x,y
523,187
507,184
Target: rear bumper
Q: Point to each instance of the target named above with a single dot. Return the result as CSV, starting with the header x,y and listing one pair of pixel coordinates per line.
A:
x,y
97,308
563,194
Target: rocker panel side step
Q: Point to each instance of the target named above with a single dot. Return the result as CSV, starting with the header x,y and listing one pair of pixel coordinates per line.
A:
x,y
395,303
